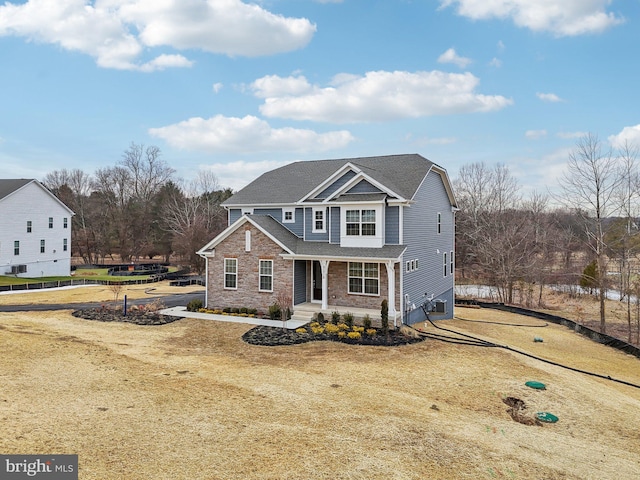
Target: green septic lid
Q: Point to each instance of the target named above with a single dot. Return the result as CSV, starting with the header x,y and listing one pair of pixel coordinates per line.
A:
x,y
536,385
546,417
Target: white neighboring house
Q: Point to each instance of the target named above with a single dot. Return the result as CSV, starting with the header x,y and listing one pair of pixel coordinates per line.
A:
x,y
35,230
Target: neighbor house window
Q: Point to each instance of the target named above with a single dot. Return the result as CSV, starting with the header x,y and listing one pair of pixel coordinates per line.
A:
x,y
361,222
230,273
364,278
16,247
445,263
50,222
65,222
64,245
451,257
318,220
266,276
439,223
408,266
41,246
29,226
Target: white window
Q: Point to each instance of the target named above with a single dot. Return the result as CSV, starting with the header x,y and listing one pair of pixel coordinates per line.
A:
x,y
288,215
42,246
416,264
231,273
413,265
65,222
266,276
64,245
439,223
451,266
247,240
29,226
445,263
16,247
50,222
361,222
364,278
318,221
408,266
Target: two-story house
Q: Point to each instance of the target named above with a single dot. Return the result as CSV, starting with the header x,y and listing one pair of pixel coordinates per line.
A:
x,y
339,235
35,230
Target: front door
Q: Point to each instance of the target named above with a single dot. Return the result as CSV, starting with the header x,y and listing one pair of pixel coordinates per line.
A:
x,y
316,282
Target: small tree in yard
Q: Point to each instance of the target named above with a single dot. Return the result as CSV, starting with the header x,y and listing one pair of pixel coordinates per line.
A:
x,y
384,316
116,288
590,277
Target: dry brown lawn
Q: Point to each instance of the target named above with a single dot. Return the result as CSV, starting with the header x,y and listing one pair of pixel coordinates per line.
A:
x,y
190,400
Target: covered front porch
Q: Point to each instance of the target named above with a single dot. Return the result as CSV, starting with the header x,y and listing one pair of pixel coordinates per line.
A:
x,y
305,312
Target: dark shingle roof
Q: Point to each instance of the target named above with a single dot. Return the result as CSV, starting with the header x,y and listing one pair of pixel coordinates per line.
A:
x,y
290,183
8,186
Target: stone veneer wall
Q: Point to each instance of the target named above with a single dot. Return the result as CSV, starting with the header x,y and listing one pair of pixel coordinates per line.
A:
x,y
247,294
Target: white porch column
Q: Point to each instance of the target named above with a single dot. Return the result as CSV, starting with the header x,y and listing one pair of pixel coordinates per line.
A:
x,y
391,280
324,266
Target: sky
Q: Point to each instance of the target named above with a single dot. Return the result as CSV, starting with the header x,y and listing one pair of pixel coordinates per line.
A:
x,y
240,88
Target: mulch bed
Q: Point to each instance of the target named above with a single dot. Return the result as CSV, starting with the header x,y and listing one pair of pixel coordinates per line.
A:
x,y
274,336
138,317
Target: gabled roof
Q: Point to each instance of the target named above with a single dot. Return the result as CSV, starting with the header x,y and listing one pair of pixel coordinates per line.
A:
x,y
289,184
11,186
298,248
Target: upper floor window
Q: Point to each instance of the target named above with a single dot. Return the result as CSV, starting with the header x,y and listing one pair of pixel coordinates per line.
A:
x,y
439,223
288,215
65,246
231,273
42,243
16,247
65,222
50,222
361,222
318,220
445,263
451,266
266,276
29,226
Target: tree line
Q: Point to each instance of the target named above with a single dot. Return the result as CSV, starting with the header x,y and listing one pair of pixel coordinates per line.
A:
x,y
585,232
137,209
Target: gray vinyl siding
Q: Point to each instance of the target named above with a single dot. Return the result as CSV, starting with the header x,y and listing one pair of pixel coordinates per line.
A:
x,y
335,225
234,215
308,227
336,185
298,227
274,212
427,246
392,225
364,187
300,282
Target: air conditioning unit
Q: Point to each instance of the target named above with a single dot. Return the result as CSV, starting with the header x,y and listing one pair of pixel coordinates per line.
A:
x,y
439,306
15,269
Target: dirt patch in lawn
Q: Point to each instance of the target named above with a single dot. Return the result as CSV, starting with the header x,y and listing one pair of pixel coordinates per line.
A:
x,y
191,400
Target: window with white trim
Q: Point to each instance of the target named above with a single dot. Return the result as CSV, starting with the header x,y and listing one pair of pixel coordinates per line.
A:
x,y
266,276
231,273
42,246
416,264
288,215
50,222
16,247
408,266
364,278
439,223
318,220
65,246
445,263
65,222
361,223
451,265
29,226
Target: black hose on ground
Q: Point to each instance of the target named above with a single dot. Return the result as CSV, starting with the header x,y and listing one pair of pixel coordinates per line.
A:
x,y
478,342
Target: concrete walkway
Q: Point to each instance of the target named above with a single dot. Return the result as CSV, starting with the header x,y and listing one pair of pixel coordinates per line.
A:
x,y
182,312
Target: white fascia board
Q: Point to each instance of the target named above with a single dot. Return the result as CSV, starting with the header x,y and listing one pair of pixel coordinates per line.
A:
x,y
354,258
46,190
341,171
446,181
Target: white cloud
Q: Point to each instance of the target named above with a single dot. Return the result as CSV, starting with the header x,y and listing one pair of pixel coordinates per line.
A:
x,y
246,135
376,96
630,135
236,175
501,46
535,134
565,18
450,56
217,87
116,32
549,97
495,62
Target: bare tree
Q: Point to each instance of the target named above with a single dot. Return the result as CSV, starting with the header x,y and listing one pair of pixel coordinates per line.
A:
x,y
589,187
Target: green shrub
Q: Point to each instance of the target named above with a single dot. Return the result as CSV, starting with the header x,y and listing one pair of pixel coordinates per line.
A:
x,y
320,317
235,310
335,317
194,305
226,310
252,311
244,310
275,312
384,315
366,322
348,319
